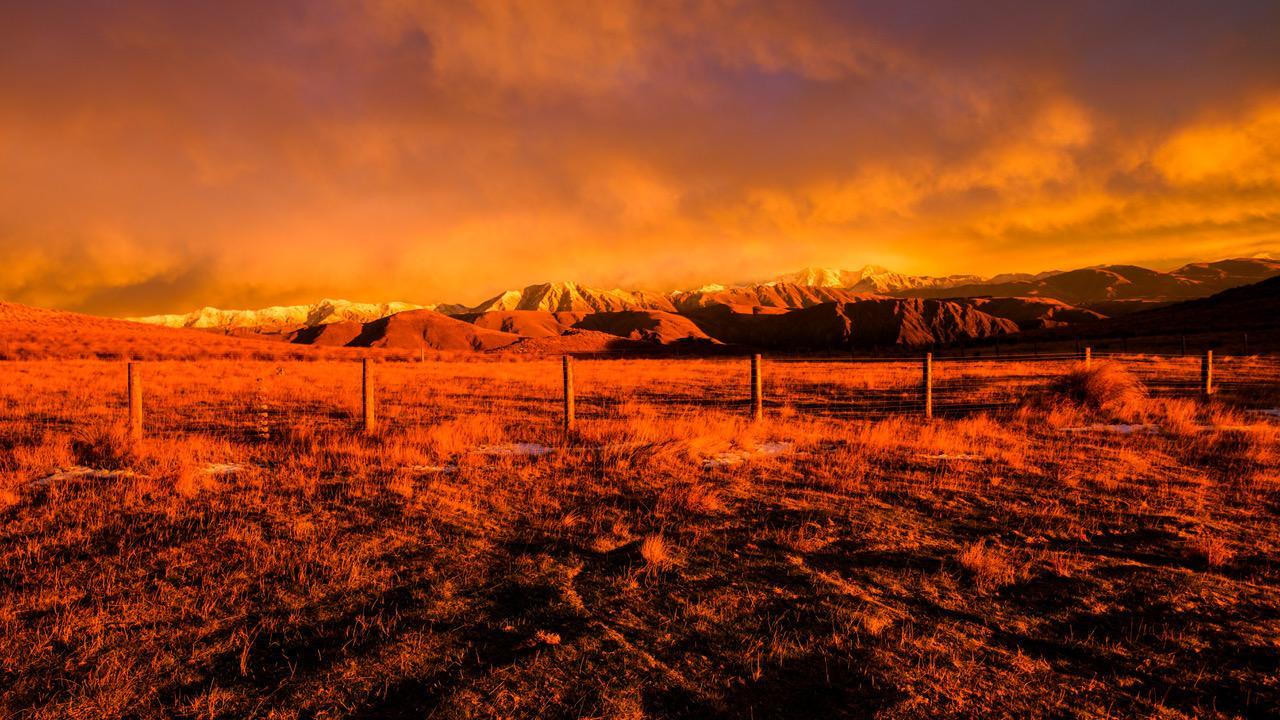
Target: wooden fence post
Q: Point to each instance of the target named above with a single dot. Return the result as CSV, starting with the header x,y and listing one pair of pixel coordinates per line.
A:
x,y
1246,343
135,401
369,414
927,390
569,419
757,390
1206,374
1088,358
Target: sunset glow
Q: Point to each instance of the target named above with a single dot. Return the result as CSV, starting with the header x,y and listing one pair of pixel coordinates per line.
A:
x,y
639,359
159,156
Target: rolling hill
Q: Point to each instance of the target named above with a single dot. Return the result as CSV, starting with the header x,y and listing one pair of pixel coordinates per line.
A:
x,y
529,323
427,329
409,330
650,326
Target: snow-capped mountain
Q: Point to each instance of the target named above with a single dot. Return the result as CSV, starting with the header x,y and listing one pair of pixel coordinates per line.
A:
x,y
281,316
870,279
772,295
824,277
569,296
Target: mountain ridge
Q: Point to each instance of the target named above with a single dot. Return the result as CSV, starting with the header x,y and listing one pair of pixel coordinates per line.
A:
x,y
1106,283
1108,289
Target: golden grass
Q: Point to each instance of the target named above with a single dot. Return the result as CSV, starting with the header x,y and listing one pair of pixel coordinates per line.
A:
x,y
657,554
1108,388
669,559
988,565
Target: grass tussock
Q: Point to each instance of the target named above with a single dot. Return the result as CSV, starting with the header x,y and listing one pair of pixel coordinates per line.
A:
x,y
107,447
989,566
1214,550
1106,388
657,553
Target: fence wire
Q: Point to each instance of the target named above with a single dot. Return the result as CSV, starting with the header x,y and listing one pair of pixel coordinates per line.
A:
x,y
237,400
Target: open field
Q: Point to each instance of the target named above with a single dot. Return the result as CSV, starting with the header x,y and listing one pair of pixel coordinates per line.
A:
x,y
1056,543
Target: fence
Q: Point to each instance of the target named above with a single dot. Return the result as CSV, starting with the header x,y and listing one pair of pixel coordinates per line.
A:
x,y
258,399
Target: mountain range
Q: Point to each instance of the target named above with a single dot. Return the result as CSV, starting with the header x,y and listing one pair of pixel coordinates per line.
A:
x,y
1106,289
812,308
802,311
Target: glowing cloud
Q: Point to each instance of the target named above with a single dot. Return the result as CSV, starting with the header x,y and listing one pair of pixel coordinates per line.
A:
x,y
156,156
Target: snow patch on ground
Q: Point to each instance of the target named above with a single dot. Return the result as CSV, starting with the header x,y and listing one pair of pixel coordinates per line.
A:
x,y
737,457
947,456
513,449
80,472
1122,428
226,468
1130,429
434,469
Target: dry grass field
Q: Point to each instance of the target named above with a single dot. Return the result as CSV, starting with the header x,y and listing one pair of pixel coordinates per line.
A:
x,y
1057,542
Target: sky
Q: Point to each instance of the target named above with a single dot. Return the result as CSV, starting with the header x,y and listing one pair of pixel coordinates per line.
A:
x,y
163,155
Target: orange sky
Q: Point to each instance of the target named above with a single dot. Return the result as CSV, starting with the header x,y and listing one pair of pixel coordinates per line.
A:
x,y
159,155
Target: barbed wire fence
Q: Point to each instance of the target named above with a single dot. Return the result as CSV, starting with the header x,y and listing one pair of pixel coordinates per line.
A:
x,y
258,401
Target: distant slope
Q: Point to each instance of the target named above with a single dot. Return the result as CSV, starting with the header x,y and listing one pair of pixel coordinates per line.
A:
x,y
868,323
1230,273
571,297
1032,313
1111,283
410,330
1253,307
35,333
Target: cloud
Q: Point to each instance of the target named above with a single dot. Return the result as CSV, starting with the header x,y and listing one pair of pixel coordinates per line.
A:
x,y
1238,152
157,156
